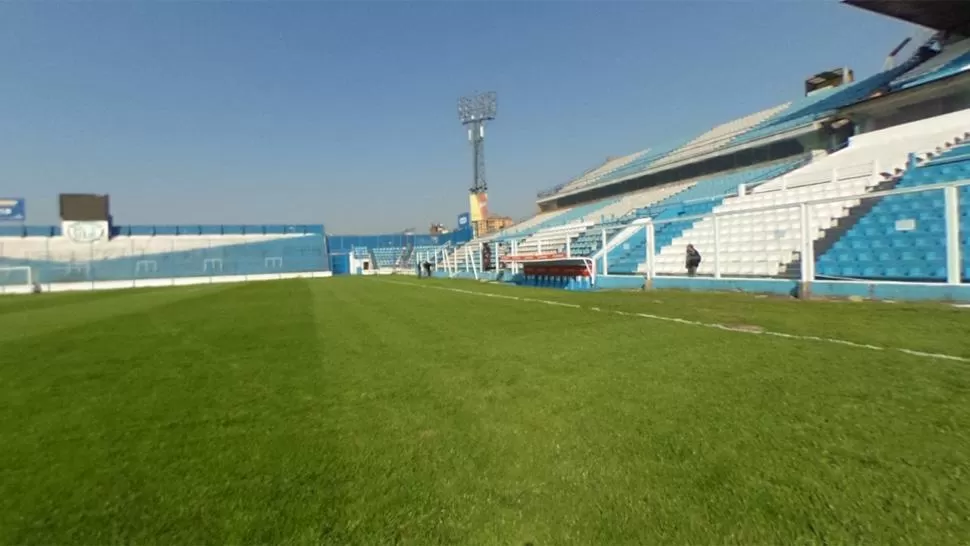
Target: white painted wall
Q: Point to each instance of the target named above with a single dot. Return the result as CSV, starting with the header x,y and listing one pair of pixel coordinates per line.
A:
x,y
147,283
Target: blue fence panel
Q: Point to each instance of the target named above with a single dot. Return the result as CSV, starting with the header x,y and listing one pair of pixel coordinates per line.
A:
x,y
38,231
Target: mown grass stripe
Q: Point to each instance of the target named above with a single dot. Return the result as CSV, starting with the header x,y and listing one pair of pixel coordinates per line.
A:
x,y
687,322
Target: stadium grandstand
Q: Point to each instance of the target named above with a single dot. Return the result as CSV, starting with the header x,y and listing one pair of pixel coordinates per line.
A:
x,y
825,187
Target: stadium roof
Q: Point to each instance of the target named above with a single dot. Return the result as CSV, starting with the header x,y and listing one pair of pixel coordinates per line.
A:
x,y
948,15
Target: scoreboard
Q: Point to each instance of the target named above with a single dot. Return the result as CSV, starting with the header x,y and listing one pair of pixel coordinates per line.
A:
x,y
85,207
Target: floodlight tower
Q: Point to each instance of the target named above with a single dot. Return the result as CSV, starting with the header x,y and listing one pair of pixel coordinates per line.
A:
x,y
473,112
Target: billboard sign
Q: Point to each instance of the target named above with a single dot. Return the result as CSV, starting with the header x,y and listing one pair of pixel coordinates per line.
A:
x,y
13,209
533,257
463,222
478,206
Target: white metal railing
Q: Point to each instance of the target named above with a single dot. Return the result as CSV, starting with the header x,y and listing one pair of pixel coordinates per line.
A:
x,y
814,178
556,230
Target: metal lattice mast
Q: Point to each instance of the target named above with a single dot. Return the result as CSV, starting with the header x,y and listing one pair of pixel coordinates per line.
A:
x,y
474,112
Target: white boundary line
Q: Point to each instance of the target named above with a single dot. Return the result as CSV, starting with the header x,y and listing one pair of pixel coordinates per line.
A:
x,y
687,322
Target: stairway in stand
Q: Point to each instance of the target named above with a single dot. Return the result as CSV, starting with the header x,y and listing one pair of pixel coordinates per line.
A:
x,y
406,254
842,226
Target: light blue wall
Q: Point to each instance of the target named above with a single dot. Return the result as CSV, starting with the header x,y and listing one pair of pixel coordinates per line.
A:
x,y
340,264
619,282
283,255
892,291
760,286
823,289
780,287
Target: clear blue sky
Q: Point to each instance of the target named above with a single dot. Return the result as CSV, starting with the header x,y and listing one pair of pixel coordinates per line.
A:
x,y
344,112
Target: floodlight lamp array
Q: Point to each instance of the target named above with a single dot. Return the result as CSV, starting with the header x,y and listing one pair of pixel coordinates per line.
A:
x,y
477,108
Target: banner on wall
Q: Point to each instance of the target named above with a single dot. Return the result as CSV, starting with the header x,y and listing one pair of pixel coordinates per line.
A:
x,y
463,221
85,232
533,257
13,209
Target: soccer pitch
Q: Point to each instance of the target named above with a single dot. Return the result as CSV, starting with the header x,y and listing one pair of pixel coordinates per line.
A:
x,y
394,410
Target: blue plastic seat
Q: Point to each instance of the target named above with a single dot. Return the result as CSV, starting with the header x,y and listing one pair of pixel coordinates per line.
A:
x,y
826,268
850,271
892,270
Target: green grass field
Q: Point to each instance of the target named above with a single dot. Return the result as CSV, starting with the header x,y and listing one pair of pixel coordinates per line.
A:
x,y
361,411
